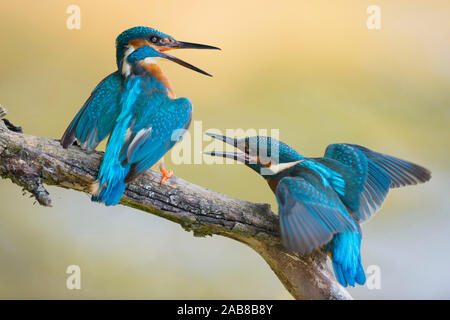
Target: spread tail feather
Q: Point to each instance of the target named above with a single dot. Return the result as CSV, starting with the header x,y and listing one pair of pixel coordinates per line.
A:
x,y
348,276
346,258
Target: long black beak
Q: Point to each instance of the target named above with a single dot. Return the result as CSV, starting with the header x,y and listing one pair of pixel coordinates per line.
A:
x,y
238,156
231,141
183,63
190,45
246,158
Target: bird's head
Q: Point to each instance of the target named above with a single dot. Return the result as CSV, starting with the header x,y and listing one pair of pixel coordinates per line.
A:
x,y
132,39
265,155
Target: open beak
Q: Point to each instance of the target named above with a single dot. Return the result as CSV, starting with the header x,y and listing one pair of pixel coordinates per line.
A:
x,y
245,157
184,45
183,63
238,156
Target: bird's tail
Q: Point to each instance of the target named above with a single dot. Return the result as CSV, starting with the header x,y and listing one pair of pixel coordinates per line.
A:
x,y
346,258
110,191
110,184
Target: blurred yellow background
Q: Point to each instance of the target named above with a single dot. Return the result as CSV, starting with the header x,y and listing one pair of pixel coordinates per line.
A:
x,y
309,68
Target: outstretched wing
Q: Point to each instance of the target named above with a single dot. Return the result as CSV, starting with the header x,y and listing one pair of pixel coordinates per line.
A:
x,y
96,119
379,173
373,181
310,213
152,138
401,172
351,164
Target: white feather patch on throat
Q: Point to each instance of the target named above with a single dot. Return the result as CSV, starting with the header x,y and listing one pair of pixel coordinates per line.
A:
x,y
126,68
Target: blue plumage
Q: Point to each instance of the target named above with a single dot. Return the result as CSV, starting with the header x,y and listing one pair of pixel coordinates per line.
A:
x,y
144,130
112,174
402,173
370,184
95,121
310,213
165,128
345,252
137,107
123,40
321,201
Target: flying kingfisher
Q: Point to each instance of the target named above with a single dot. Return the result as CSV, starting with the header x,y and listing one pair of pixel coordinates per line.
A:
x,y
322,201
137,107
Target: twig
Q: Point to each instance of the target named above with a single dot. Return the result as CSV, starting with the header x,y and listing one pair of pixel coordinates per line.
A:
x,y
31,161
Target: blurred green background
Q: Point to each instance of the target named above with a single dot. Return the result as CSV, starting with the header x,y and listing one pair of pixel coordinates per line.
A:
x,y
311,69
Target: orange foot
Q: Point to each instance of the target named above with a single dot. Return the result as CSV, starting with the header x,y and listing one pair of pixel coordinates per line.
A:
x,y
166,175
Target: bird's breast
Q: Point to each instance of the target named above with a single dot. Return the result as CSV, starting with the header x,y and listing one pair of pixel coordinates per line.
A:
x,y
157,73
273,183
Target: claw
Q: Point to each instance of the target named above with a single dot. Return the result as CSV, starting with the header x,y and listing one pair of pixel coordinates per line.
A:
x,y
166,175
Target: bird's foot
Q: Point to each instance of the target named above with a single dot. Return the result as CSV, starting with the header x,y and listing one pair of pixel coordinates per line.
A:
x,y
166,175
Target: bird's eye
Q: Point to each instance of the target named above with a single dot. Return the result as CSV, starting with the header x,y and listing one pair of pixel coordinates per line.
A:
x,y
154,39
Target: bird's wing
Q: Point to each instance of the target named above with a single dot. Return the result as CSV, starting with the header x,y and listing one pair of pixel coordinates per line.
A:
x,y
373,180
401,172
96,119
346,179
150,142
310,213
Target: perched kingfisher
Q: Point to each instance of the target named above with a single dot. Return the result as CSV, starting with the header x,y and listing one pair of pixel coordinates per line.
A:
x,y
137,107
322,201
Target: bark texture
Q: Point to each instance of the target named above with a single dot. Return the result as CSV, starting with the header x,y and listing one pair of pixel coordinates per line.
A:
x,y
31,162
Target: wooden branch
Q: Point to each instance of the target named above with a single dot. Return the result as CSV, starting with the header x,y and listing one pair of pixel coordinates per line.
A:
x,y
31,161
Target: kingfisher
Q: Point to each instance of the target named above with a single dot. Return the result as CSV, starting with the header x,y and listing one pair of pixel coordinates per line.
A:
x,y
322,201
137,108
